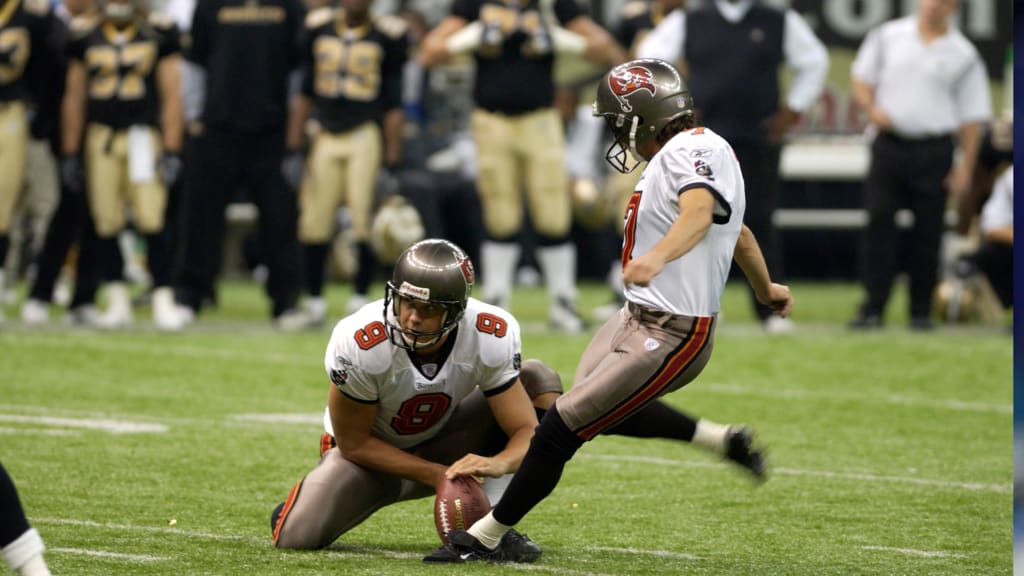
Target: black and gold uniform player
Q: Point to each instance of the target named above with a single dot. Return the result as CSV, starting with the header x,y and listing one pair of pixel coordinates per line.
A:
x,y
24,27
246,50
122,115
352,82
518,134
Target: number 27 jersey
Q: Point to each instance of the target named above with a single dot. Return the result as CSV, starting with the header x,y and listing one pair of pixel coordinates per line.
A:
x,y
414,403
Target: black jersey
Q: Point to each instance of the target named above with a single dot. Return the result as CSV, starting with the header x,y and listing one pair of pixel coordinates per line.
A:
x,y
515,62
121,65
248,49
353,75
636,19
24,27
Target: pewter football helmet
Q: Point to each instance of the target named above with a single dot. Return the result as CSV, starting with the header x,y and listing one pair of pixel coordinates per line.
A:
x,y
638,99
434,271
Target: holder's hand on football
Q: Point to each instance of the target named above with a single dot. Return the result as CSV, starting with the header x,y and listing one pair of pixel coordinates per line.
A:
x,y
475,465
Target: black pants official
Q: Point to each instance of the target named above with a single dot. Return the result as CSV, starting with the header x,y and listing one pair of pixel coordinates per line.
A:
x,y
904,173
759,162
221,162
71,222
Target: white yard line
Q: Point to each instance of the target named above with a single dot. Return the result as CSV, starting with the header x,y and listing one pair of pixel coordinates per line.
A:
x,y
642,552
105,554
104,424
895,400
913,552
197,534
313,418
167,348
42,431
352,551
970,486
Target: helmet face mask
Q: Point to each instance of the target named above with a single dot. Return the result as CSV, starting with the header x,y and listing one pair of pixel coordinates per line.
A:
x,y
638,99
435,272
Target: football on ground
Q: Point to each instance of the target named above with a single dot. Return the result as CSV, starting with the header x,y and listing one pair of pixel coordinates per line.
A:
x,y
458,504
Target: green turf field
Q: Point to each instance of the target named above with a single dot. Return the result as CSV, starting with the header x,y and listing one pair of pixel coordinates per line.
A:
x,y
147,453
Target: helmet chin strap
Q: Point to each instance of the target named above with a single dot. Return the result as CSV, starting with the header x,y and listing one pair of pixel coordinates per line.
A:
x,y
632,137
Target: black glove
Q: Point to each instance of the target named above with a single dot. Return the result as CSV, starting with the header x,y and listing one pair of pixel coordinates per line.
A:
x,y
170,169
387,183
72,175
291,168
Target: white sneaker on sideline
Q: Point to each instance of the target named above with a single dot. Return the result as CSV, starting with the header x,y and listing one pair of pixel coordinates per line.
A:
x,y
119,308
564,318
167,316
86,316
35,312
778,325
355,302
316,309
292,320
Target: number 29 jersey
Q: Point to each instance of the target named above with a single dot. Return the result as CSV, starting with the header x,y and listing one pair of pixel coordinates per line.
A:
x,y
415,402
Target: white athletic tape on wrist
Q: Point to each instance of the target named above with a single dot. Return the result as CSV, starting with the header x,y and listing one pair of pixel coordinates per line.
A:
x,y
465,39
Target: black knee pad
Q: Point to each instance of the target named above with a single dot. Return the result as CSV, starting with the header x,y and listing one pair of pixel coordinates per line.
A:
x,y
553,440
539,378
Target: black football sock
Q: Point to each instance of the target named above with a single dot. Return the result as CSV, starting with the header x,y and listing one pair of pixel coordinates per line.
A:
x,y
3,250
12,517
109,261
158,256
315,257
657,420
552,446
367,265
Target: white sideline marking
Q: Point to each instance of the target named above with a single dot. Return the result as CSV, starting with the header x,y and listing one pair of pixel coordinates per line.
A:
x,y
104,424
945,404
356,551
366,551
43,431
971,486
164,349
285,418
912,552
105,554
639,551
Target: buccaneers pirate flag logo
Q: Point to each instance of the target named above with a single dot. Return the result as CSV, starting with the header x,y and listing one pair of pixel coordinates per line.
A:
x,y
628,81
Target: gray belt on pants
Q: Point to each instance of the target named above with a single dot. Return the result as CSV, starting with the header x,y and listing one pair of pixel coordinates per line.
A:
x,y
662,318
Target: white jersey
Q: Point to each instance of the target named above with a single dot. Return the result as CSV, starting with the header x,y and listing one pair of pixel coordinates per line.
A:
x,y
692,284
416,402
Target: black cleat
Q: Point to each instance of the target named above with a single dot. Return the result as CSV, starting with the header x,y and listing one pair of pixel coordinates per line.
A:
x,y
865,321
739,447
463,547
516,547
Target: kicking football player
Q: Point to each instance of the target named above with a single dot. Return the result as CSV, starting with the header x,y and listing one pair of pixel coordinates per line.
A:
x,y
683,228
122,117
20,544
434,388
352,82
25,26
518,135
